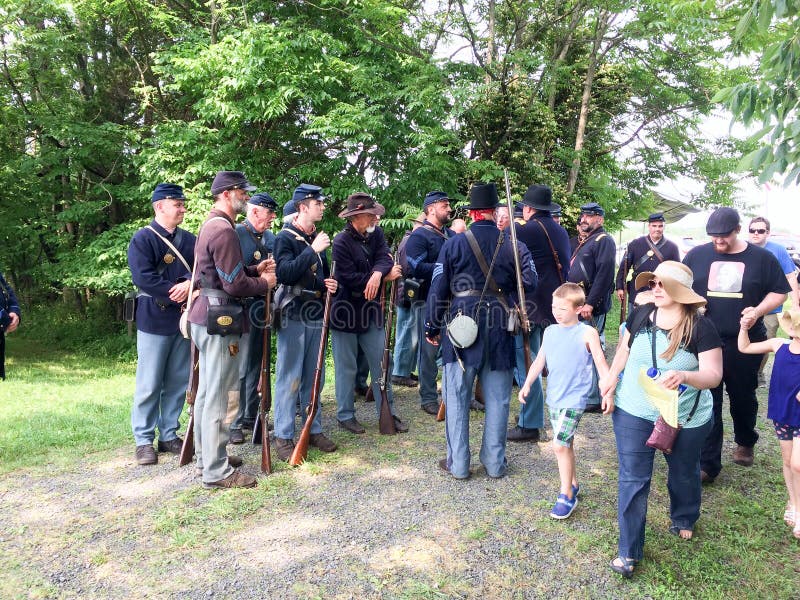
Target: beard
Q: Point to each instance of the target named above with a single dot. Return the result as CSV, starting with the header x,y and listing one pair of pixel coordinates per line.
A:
x,y
239,206
370,229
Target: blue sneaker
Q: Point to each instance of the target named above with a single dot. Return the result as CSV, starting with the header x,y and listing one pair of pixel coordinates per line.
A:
x,y
576,489
563,507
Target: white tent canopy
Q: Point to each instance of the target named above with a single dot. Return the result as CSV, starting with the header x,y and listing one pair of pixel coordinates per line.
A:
x,y
673,209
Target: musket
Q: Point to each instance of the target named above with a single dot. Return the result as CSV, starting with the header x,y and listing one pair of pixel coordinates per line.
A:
x,y
261,427
523,313
187,449
623,309
440,415
301,448
385,418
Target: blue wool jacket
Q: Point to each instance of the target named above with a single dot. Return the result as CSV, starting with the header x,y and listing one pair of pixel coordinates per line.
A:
x,y
154,270
457,272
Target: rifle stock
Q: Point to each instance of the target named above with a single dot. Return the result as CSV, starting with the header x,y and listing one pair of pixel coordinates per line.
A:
x,y
261,428
440,415
187,449
523,313
301,448
385,419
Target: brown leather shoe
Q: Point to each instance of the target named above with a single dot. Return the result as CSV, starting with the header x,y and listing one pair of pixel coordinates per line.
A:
x,y
403,381
237,479
284,448
369,396
172,446
743,455
431,408
360,391
234,461
146,455
400,426
318,440
352,426
237,436
705,477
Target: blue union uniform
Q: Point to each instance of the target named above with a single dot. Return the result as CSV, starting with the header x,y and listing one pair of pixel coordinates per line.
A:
x,y
300,331
8,304
422,251
162,372
255,248
539,304
457,283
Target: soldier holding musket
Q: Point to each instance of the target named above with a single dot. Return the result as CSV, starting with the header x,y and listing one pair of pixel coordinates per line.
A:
x,y
461,289
548,244
363,264
256,241
304,273
217,322
644,254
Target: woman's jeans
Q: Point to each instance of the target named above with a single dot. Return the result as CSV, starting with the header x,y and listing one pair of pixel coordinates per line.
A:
x,y
636,470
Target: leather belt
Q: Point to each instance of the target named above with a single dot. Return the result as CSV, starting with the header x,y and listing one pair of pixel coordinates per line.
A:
x,y
215,297
475,293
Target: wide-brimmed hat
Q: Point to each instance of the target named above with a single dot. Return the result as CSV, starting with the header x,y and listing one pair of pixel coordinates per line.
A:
x,y
790,318
360,203
483,196
677,279
540,197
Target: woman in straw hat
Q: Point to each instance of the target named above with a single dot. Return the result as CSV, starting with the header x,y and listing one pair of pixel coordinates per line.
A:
x,y
783,406
687,351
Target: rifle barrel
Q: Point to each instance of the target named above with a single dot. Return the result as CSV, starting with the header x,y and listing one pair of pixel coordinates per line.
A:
x,y
386,420
523,313
266,385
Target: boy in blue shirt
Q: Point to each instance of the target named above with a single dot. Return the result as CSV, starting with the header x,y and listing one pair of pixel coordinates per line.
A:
x,y
568,349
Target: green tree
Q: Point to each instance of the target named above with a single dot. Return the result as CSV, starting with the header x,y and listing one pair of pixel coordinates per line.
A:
x,y
599,100
767,88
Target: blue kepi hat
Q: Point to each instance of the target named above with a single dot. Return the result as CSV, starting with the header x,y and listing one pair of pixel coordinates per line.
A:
x,y
167,191
264,200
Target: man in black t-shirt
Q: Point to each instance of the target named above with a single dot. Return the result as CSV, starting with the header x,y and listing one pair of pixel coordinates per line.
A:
x,y
737,279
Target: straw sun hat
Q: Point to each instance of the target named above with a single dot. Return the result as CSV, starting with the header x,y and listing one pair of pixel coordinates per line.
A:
x,y
677,279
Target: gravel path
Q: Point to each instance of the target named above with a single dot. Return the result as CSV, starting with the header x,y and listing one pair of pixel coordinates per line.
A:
x,y
377,519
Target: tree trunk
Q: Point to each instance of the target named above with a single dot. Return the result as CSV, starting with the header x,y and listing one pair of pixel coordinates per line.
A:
x,y
591,70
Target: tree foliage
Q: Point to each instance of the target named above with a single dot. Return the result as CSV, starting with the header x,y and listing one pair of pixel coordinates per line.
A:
x,y
767,91
101,100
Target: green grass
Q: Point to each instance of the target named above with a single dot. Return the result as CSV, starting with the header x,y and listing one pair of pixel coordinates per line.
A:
x,y
56,407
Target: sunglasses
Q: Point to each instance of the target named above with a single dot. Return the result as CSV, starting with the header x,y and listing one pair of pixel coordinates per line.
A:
x,y
758,231
653,284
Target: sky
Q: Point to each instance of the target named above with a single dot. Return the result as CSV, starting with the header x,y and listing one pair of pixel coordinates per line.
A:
x,y
777,203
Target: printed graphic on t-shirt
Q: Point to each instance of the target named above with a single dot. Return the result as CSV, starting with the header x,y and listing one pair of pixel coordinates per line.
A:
x,y
725,279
